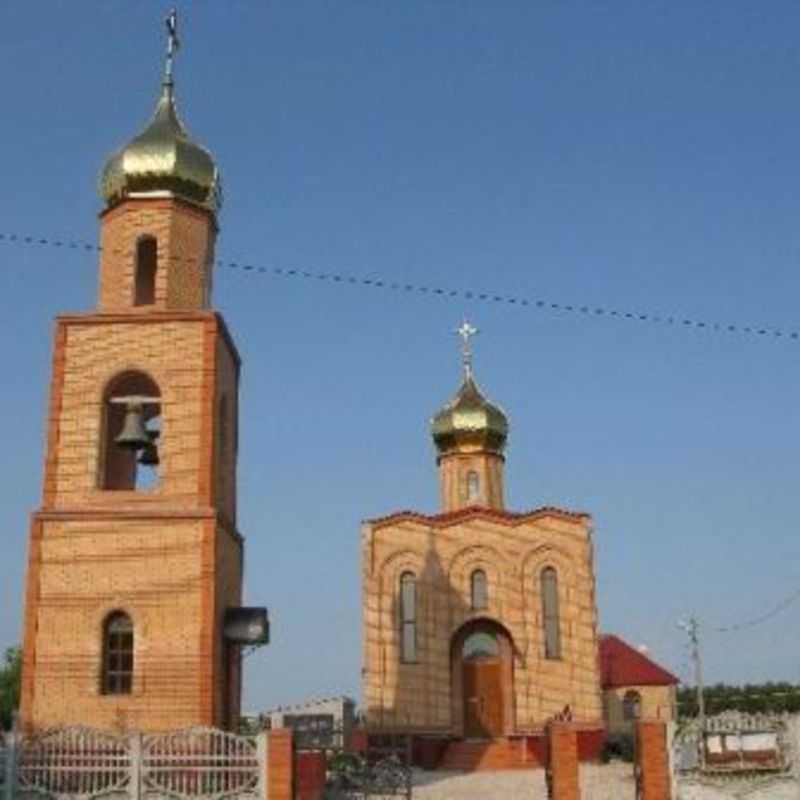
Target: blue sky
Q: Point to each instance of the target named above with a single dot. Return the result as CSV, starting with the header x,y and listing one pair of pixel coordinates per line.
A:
x,y
632,155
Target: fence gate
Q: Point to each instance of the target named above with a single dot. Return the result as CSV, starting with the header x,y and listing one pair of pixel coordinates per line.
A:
x,y
382,770
199,763
85,764
74,762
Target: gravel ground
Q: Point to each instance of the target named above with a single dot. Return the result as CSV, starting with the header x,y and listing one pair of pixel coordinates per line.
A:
x,y
598,782
778,790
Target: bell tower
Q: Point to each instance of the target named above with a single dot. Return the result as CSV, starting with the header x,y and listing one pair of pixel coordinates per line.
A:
x,y
135,560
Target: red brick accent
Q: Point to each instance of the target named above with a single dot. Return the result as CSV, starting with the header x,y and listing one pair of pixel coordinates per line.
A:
x,y
653,760
153,318
31,615
590,744
309,774
208,421
280,765
56,391
563,751
209,630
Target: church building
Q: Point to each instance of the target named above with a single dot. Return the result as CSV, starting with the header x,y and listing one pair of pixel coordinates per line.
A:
x,y
134,581
480,622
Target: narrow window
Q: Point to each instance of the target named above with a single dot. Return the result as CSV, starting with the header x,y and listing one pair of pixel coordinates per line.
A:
x,y
552,634
479,590
632,706
144,289
223,459
130,434
473,486
118,654
408,617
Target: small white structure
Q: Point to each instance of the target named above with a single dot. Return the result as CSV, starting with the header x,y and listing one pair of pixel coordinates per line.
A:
x,y
318,723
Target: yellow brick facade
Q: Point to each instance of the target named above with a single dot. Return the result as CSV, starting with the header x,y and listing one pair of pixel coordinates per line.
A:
x,y
170,557
657,703
443,551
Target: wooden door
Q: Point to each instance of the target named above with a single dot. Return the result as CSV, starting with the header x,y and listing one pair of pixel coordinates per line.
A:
x,y
483,698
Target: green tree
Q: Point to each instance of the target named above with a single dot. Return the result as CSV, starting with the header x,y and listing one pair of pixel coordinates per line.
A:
x,y
10,673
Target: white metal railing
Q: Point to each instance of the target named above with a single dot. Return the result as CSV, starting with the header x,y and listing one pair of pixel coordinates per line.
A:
x,y
738,754
83,763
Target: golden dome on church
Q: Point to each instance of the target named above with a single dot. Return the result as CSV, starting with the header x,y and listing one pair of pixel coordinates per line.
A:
x,y
163,161
469,422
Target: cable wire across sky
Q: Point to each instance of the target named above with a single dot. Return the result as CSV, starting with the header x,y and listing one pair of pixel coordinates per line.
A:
x,y
752,623
485,296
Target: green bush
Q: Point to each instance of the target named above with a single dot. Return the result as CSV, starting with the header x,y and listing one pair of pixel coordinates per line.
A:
x,y
618,746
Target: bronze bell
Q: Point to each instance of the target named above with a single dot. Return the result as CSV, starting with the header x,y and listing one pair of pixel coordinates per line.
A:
x,y
133,435
149,455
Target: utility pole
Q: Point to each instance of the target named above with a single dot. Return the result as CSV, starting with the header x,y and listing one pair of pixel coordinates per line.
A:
x,y
692,628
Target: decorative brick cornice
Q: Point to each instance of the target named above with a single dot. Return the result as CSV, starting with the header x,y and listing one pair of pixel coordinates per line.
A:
x,y
144,514
510,518
135,317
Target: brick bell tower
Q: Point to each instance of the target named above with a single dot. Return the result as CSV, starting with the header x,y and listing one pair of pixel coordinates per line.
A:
x,y
135,561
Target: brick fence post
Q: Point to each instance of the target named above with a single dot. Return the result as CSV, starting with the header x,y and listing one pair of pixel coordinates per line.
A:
x,y
652,760
563,761
280,765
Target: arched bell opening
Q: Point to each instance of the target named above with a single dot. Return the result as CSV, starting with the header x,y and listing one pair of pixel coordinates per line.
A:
x,y
130,434
482,680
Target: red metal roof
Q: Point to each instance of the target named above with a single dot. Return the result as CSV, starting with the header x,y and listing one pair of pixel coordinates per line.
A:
x,y
623,665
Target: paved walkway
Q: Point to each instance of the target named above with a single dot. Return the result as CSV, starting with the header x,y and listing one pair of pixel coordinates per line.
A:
x,y
598,782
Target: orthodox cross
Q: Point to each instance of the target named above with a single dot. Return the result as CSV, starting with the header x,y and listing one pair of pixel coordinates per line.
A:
x,y
466,331
172,45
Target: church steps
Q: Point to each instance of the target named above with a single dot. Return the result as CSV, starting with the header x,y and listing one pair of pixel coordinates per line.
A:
x,y
496,754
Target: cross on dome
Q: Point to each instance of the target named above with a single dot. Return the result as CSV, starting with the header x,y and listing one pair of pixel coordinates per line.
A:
x,y
173,44
466,331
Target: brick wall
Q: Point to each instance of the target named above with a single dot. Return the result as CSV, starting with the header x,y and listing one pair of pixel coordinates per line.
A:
x,y
164,556
280,765
310,771
657,703
88,568
442,551
453,470
653,760
563,761
185,238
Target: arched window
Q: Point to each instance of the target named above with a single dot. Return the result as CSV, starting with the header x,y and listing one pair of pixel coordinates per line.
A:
x,y
552,633
117,654
479,590
144,287
408,617
130,432
473,487
480,645
632,705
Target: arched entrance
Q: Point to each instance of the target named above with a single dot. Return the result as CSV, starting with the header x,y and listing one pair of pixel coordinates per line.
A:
x,y
482,680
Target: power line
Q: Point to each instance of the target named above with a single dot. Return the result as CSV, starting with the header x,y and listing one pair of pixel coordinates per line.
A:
x,y
752,623
539,304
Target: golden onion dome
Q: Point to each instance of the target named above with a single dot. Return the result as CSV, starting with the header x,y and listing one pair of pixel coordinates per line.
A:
x,y
469,422
163,161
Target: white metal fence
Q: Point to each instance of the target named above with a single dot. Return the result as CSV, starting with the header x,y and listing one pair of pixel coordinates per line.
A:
x,y
738,755
83,763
